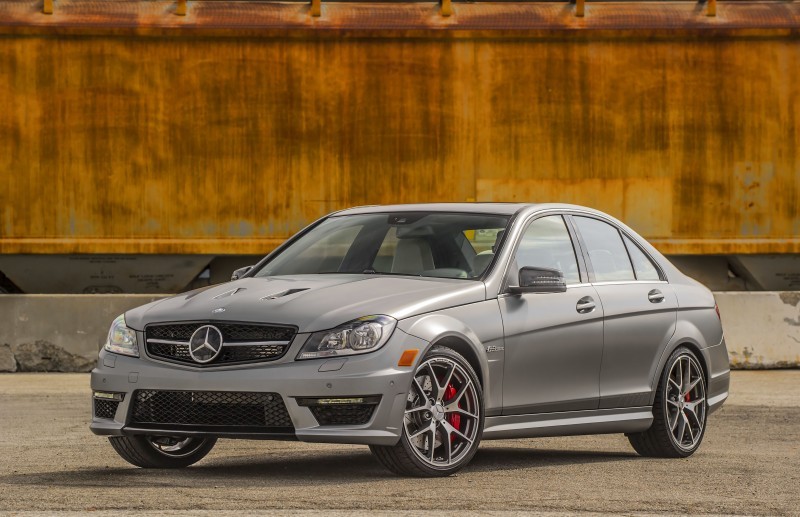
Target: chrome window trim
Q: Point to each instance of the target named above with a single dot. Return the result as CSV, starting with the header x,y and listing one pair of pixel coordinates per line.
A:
x,y
624,282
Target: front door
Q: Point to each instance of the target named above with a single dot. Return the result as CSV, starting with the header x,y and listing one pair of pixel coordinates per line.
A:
x,y
553,341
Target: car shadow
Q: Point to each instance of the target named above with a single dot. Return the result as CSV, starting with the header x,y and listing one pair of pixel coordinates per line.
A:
x,y
512,458
299,469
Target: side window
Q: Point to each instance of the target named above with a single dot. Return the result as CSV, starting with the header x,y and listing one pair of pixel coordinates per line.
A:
x,y
546,243
607,253
644,267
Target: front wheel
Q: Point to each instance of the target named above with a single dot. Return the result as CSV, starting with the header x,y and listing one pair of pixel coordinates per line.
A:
x,y
161,452
443,420
679,410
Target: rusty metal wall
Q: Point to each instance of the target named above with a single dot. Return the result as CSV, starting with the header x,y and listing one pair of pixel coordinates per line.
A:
x,y
130,143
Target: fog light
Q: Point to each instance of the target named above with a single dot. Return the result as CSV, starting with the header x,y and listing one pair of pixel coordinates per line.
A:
x,y
107,395
315,401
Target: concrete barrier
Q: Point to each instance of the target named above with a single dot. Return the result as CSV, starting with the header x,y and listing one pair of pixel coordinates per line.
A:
x,y
64,332
762,329
58,332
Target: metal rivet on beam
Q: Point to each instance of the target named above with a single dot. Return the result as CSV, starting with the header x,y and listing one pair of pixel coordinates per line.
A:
x,y
316,7
47,7
180,9
447,8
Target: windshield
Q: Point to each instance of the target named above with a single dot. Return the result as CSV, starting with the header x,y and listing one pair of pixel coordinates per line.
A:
x,y
446,245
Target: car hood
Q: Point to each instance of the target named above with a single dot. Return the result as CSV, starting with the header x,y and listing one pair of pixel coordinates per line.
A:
x,y
310,302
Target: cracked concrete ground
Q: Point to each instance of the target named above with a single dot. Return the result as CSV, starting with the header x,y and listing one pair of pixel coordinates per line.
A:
x,y
748,464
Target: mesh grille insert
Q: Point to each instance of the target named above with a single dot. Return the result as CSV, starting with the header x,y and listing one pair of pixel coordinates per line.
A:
x,y
346,414
210,408
105,408
231,332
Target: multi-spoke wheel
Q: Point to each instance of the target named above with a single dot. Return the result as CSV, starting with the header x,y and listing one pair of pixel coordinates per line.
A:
x,y
443,420
679,411
161,452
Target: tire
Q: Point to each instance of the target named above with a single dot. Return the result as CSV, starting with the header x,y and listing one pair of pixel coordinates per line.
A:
x,y
443,422
679,414
161,452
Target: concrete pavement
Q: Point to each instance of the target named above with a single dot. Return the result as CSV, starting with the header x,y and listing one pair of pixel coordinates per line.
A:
x,y
748,464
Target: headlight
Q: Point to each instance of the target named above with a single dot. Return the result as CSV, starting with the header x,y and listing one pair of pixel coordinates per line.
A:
x,y
359,336
121,339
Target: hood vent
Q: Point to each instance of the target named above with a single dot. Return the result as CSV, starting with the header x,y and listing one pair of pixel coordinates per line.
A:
x,y
283,293
229,293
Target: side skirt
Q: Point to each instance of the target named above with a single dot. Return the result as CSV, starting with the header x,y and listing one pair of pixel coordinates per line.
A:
x,y
595,421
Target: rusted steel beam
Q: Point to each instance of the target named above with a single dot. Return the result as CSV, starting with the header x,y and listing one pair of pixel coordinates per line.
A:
x,y
180,8
225,18
316,8
712,8
47,7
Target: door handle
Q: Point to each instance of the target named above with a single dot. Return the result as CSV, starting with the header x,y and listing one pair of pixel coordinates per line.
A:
x,y
585,305
655,296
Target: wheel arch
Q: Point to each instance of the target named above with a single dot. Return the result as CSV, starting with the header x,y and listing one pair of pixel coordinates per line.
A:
x,y
686,340
445,330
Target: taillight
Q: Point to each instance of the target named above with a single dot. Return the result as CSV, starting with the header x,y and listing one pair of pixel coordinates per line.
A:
x,y
716,308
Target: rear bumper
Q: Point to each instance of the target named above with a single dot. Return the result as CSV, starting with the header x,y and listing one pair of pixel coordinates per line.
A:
x,y
719,377
368,375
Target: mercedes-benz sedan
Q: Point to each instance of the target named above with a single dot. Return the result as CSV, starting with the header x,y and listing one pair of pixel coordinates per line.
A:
x,y
420,330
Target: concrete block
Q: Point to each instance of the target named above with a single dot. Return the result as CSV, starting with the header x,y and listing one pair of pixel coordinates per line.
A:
x,y
762,329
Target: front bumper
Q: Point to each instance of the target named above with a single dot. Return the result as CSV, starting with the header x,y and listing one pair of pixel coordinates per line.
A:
x,y
370,374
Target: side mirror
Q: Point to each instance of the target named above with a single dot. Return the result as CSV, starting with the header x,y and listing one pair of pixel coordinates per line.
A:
x,y
539,280
239,273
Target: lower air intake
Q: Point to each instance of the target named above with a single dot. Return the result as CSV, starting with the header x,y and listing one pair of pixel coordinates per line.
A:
x,y
105,408
345,414
265,412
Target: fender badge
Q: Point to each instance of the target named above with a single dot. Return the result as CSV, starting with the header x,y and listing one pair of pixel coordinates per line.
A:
x,y
218,310
492,348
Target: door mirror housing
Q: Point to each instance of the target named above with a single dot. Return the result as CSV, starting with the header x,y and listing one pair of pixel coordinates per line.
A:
x,y
239,273
539,280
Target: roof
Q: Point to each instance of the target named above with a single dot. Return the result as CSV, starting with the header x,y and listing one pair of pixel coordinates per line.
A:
x,y
473,208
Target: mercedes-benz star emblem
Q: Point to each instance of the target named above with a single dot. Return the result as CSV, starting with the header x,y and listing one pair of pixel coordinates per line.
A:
x,y
205,344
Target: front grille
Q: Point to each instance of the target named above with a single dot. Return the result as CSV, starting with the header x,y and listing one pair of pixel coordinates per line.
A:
x,y
265,411
242,342
345,414
105,408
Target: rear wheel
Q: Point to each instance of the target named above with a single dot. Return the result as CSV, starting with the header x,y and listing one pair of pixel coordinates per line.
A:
x,y
679,410
443,421
161,452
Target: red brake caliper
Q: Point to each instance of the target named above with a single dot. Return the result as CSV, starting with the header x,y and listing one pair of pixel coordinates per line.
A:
x,y
453,418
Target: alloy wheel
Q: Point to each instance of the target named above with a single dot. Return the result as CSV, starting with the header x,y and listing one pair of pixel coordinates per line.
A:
x,y
686,402
171,446
442,414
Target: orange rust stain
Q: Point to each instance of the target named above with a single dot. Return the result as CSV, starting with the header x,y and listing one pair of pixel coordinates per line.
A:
x,y
123,143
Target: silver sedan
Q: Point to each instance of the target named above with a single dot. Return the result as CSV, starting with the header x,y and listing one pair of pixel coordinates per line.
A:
x,y
420,330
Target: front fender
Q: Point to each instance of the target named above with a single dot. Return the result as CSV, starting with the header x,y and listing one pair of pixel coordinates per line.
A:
x,y
484,330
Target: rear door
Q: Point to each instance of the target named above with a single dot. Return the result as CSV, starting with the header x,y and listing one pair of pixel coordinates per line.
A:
x,y
553,341
640,310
